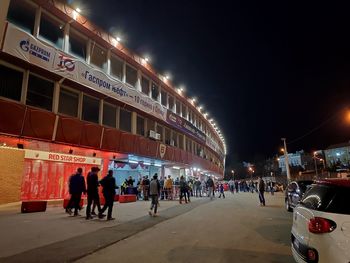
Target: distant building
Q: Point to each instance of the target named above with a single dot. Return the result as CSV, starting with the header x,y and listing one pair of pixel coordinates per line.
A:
x,y
298,159
338,155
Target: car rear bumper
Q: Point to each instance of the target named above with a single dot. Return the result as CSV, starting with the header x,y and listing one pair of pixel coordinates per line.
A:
x,y
300,251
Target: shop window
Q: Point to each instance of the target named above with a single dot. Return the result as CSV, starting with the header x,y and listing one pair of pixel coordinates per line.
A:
x,y
109,115
40,92
116,67
125,120
68,102
98,57
178,110
155,91
77,45
140,129
171,103
184,111
131,76
22,14
91,109
145,85
10,83
164,98
51,30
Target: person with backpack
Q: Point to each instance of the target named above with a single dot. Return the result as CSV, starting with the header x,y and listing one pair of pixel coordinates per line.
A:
x,y
109,186
76,188
154,191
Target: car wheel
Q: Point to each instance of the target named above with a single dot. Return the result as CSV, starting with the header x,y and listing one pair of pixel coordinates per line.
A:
x,y
288,208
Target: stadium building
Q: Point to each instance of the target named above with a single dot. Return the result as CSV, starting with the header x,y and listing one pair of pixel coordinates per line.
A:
x,y
72,95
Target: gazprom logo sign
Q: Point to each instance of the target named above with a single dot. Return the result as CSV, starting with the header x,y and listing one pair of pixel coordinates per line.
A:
x,y
34,50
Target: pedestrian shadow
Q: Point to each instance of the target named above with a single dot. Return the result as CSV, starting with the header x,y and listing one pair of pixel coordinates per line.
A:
x,y
214,254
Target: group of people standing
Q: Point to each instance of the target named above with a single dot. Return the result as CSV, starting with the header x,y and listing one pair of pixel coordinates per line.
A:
x,y
77,187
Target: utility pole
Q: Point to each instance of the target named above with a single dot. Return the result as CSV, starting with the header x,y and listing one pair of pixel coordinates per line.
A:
x,y
286,159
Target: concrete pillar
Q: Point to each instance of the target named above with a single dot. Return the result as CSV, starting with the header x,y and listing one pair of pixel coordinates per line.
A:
x,y
88,51
108,62
124,72
138,82
100,118
66,37
4,6
133,122
37,22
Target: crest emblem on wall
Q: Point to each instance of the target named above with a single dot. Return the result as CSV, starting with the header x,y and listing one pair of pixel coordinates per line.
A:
x,y
162,150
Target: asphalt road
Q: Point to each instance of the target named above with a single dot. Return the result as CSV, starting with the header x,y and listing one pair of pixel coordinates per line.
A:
x,y
235,229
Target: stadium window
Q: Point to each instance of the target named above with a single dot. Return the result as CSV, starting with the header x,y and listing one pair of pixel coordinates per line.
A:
x,y
109,115
51,30
77,45
125,120
155,91
98,57
22,14
40,92
140,127
171,103
181,141
91,109
164,98
167,136
160,131
131,76
184,111
68,102
178,110
145,85
10,83
116,67
150,125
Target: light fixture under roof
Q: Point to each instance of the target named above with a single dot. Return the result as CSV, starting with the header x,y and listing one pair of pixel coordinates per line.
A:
x,y
78,9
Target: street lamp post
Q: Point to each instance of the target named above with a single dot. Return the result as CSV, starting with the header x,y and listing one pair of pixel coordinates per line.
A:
x,y
286,159
315,160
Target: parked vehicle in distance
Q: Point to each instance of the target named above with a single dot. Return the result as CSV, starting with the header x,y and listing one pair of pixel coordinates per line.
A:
x,y
294,193
321,223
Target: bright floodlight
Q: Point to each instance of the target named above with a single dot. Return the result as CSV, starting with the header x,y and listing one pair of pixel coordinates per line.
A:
x,y
78,9
146,59
119,39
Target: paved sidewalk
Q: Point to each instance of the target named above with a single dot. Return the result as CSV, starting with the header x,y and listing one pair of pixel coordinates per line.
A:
x,y
53,236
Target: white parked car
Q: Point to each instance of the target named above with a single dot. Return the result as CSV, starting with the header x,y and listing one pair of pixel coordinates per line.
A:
x,y
321,223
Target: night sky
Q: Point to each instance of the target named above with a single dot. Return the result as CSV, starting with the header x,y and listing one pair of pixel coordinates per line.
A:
x,y
262,70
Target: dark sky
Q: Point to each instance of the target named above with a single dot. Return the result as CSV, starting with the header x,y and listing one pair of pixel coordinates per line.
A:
x,y
263,69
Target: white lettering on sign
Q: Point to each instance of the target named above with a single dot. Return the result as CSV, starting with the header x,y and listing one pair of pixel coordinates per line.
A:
x,y
60,157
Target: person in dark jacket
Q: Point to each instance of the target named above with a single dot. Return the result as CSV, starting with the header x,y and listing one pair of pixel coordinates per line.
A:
x,y
92,191
109,186
76,188
183,189
154,191
261,189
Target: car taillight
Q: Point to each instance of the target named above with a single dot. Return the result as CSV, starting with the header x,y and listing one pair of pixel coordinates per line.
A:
x,y
319,225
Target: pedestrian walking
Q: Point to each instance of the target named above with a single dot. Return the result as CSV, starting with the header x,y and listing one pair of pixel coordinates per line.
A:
x,y
154,192
145,188
92,192
210,185
109,186
168,186
183,189
76,188
222,191
261,189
